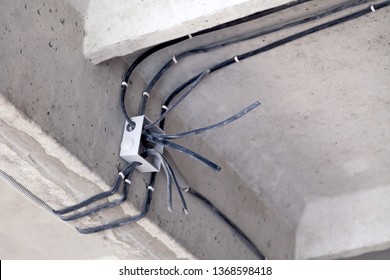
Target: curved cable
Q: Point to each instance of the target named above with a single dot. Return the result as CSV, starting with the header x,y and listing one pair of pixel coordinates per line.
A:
x,y
105,205
178,187
242,38
276,44
246,239
25,192
211,127
184,150
167,174
123,221
158,47
115,187
199,78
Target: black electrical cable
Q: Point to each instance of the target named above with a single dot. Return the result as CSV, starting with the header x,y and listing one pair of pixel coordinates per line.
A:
x,y
123,221
118,223
278,43
188,91
211,127
150,189
178,187
221,65
239,39
158,47
106,205
115,187
168,175
246,239
183,150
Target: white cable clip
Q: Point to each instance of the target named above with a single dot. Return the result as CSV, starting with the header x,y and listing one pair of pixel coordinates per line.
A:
x,y
190,36
122,175
372,8
146,94
174,59
125,84
151,188
236,59
164,107
128,181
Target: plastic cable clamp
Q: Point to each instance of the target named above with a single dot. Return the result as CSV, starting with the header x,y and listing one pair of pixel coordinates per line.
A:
x,y
164,107
174,59
190,36
146,94
151,188
236,59
128,181
125,84
122,175
372,8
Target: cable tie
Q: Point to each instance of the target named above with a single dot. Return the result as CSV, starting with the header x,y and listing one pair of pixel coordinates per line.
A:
x,y
128,181
174,59
236,59
164,107
373,8
122,175
190,36
125,84
146,94
151,188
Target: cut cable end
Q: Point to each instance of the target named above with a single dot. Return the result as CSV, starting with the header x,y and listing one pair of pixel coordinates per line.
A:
x,y
185,210
169,209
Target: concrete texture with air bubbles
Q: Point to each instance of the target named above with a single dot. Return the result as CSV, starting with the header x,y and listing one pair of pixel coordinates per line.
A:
x,y
306,175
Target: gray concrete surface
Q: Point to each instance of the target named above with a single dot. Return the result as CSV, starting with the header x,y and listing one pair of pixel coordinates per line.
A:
x,y
76,103
117,28
27,232
54,175
313,161
305,175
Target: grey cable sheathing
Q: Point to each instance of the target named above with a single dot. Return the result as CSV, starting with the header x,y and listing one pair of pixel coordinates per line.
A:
x,y
25,192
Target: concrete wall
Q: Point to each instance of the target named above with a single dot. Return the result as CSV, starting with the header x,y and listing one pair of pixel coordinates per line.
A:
x,y
117,28
76,103
295,171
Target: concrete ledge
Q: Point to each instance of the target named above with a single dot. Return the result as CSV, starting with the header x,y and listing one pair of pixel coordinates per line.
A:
x,y
53,174
118,28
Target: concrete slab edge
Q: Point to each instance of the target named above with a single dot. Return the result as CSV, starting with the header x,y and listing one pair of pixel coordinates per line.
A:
x,y
12,121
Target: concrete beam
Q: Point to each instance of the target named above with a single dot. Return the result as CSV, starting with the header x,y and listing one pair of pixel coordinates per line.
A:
x,y
304,176
118,28
49,171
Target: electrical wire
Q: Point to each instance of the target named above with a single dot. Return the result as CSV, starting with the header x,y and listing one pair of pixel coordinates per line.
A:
x,y
106,205
185,151
231,61
242,38
158,47
244,237
278,43
25,192
168,175
115,187
178,187
126,220
161,139
187,92
211,127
